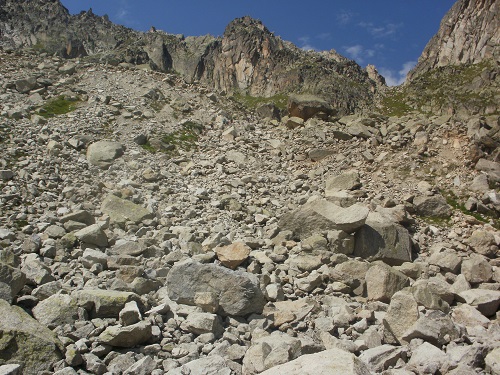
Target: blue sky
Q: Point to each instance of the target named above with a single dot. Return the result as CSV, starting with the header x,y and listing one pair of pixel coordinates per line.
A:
x,y
389,34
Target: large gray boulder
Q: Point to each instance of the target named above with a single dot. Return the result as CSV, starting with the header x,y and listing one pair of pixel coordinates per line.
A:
x,y
126,337
332,361
321,215
121,210
307,106
104,303
212,365
269,351
385,241
237,292
12,280
25,341
401,315
104,153
57,310
433,206
383,281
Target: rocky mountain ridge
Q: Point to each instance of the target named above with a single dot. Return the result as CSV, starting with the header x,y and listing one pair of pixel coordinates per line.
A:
x,y
247,59
469,34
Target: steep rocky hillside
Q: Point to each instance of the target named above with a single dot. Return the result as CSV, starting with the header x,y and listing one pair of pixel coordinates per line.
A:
x,y
458,71
469,34
150,225
248,59
151,222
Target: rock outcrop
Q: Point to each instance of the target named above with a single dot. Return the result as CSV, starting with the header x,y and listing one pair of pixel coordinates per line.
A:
x,y
248,58
469,33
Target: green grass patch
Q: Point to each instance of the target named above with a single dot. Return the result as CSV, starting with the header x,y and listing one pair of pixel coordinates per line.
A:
x,y
158,105
57,106
185,138
147,146
252,102
454,202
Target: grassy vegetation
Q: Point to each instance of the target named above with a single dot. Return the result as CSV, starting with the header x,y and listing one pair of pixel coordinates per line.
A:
x,y
442,88
57,106
147,146
183,139
252,102
158,105
455,202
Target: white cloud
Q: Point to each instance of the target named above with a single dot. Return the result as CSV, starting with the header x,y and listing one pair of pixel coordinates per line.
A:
x,y
380,31
344,17
393,78
305,44
359,53
324,36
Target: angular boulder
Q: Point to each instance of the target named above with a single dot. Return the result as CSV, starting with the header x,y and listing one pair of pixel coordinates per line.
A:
x,y
25,341
433,206
104,303
332,361
12,280
307,106
383,281
121,210
321,215
269,351
126,337
385,241
57,310
238,293
104,153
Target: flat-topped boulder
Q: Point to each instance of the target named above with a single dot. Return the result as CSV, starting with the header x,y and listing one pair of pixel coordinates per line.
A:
x,y
321,215
237,292
121,210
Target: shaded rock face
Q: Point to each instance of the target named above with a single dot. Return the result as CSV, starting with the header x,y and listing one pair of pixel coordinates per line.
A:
x,y
248,58
469,33
238,292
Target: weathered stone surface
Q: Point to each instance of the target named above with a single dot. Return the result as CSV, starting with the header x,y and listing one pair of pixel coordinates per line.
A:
x,y
130,314
332,361
200,323
307,106
427,359
212,365
80,216
12,280
433,206
345,181
483,242
381,357
385,241
321,215
467,34
56,310
238,292
104,303
469,316
486,301
432,295
26,341
492,361
401,315
104,153
476,269
144,366
13,369
269,351
126,337
382,282
121,210
93,235
233,255
434,327
491,168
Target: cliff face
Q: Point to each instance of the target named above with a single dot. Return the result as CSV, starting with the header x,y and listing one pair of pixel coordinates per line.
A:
x,y
247,59
469,33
